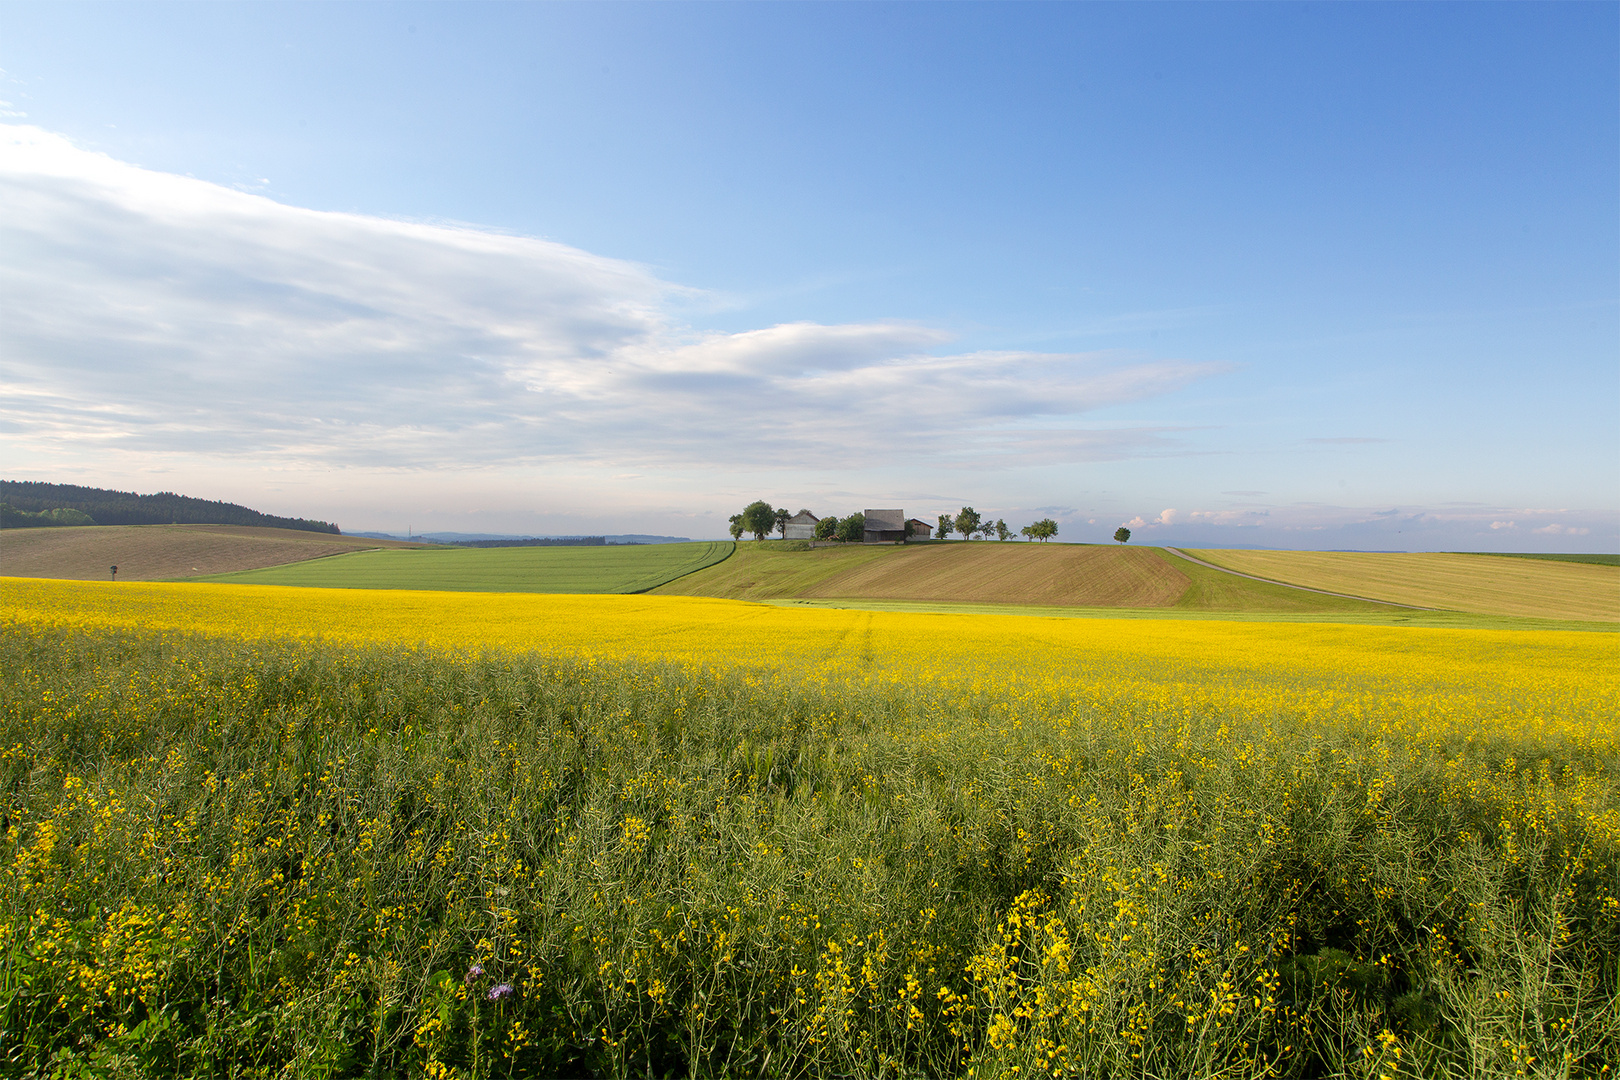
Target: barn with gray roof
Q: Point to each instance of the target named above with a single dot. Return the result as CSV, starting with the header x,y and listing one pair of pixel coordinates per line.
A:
x,y
885,527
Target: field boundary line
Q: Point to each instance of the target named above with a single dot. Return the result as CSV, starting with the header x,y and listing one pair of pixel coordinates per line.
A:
x,y
1178,553
689,573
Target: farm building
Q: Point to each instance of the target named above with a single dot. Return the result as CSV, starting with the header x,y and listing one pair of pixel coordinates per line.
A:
x,y
801,526
885,527
920,530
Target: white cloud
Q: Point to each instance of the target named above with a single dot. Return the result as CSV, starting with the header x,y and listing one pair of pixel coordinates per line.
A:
x,y
157,314
1504,524
1229,517
1561,530
1165,517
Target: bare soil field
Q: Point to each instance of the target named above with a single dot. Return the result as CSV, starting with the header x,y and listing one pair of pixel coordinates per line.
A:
x,y
1482,584
163,552
1067,574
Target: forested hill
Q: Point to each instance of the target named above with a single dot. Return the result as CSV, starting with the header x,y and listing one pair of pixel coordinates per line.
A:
x,y
104,507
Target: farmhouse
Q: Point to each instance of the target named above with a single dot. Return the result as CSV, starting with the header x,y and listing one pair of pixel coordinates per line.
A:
x,y
801,526
885,527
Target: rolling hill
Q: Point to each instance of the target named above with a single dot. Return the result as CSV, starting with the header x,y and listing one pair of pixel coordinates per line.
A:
x,y
163,552
1051,575
1059,577
107,507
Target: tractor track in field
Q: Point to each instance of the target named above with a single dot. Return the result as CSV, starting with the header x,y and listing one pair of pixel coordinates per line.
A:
x,y
1178,553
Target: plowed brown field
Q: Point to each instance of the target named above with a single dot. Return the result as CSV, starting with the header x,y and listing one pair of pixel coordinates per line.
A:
x,y
1068,575
161,552
1044,575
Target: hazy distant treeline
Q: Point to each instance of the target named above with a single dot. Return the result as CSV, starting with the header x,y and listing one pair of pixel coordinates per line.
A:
x,y
30,504
550,541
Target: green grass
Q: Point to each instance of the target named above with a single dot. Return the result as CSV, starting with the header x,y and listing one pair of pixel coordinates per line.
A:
x,y
224,858
616,569
1595,560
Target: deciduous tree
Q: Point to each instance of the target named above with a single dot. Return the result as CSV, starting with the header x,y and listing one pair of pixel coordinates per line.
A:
x,y
1122,534
1042,530
737,528
1002,532
782,518
947,525
759,519
827,528
853,528
967,522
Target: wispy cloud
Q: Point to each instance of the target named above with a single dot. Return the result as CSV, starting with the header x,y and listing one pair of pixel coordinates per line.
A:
x,y
161,314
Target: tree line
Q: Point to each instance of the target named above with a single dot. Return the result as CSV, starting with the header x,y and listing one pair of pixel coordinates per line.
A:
x,y
761,519
34,503
970,523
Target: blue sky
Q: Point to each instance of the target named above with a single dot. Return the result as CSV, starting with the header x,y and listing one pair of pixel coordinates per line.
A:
x,y
1284,275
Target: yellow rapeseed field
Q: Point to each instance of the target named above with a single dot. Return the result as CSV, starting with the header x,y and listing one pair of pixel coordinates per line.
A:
x,y
1527,683
277,831
1505,667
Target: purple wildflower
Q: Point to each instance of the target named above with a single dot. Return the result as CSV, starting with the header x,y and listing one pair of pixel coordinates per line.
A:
x,y
475,972
501,990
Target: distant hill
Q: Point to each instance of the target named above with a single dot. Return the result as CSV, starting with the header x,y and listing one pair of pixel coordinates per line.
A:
x,y
991,572
1291,583
31,504
169,552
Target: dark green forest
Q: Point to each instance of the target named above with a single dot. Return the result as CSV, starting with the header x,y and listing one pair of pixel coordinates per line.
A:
x,y
30,504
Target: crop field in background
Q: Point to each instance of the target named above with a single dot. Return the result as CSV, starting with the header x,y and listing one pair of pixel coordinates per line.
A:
x,y
1541,588
1054,575
160,552
253,831
1593,559
612,569
1066,578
